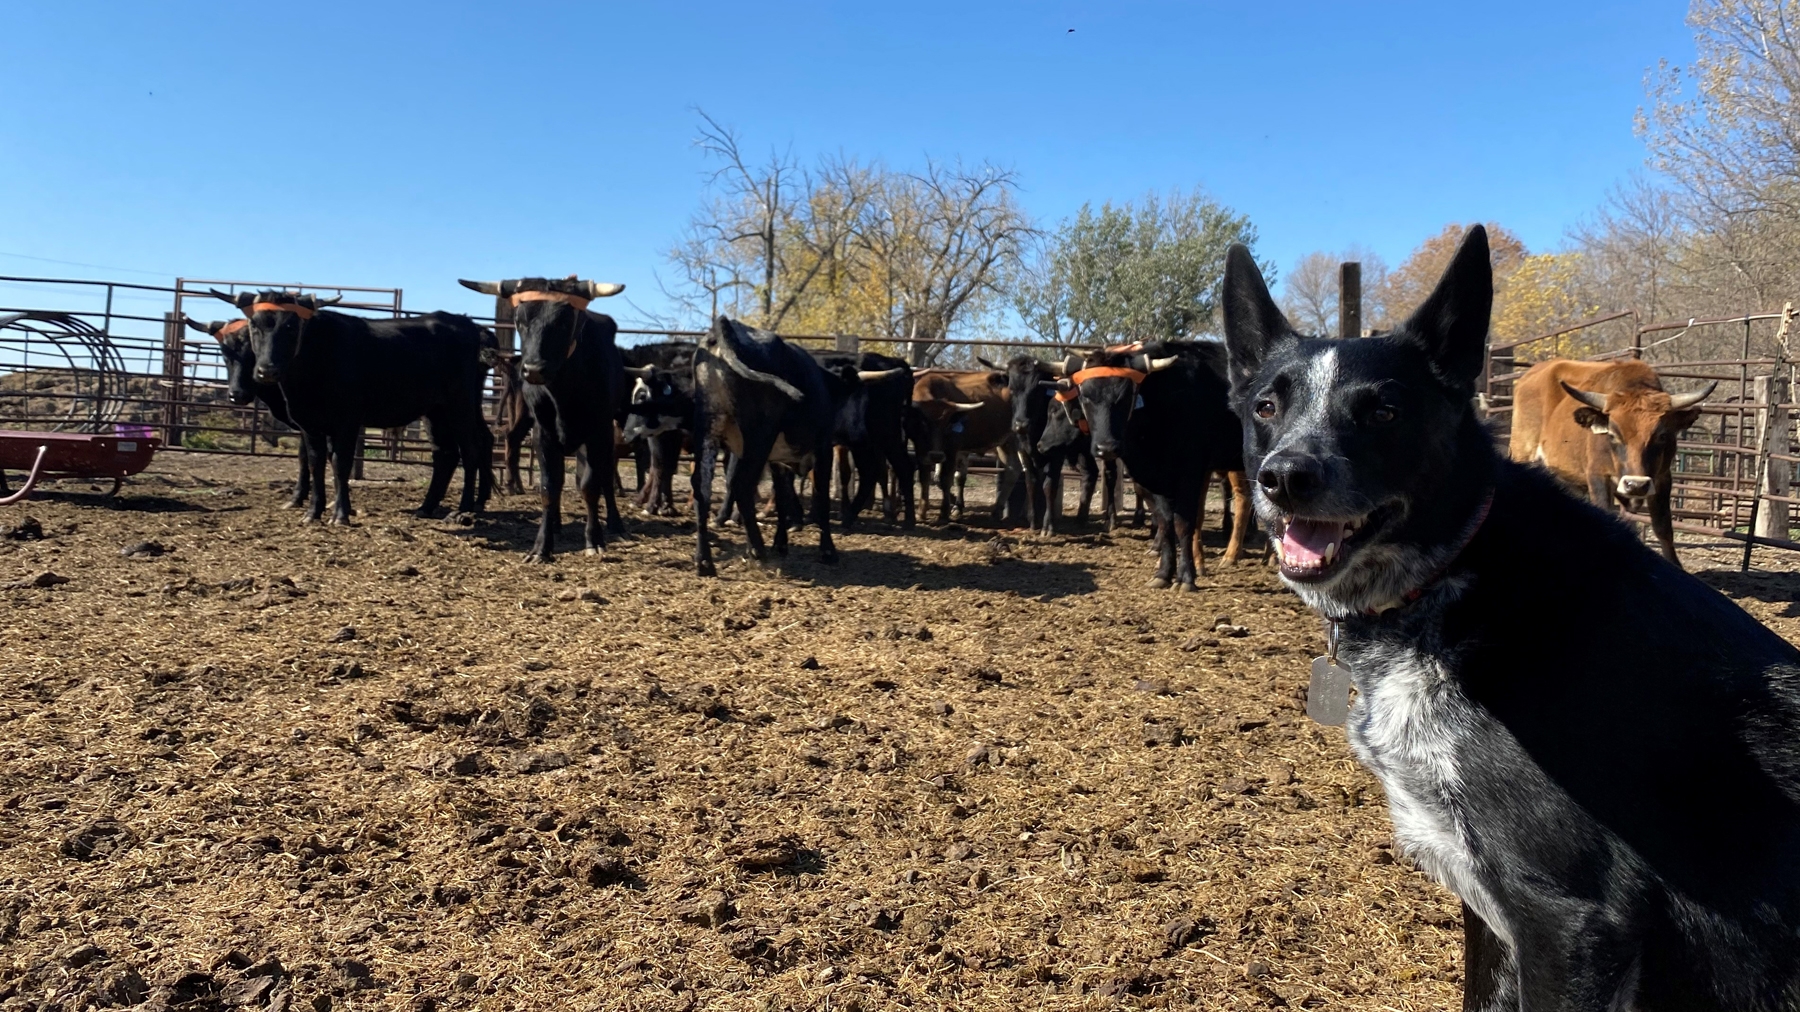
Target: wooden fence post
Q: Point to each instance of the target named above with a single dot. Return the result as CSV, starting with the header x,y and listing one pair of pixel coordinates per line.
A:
x,y
1772,519
1350,299
173,355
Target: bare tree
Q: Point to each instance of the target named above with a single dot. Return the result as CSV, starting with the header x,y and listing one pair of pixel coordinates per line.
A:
x,y
941,243
1310,295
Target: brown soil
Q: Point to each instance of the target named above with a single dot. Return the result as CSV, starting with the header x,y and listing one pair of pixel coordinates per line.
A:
x,y
395,767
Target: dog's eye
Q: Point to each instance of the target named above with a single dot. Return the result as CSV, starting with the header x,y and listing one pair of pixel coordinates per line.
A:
x,y
1383,415
1265,409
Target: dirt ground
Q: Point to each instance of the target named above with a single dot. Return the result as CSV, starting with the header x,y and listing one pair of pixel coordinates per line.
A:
x,y
255,764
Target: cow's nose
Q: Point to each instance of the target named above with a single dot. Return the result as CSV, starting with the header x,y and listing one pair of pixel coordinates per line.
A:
x,y
267,375
1635,485
1291,481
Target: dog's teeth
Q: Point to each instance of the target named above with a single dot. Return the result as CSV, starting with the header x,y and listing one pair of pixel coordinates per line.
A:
x,y
1330,553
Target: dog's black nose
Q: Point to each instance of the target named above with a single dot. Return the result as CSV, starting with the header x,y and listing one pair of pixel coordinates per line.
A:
x,y
1291,481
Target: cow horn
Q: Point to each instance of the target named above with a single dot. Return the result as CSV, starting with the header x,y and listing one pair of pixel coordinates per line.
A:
x,y
204,328
962,405
484,287
877,375
642,372
1680,402
1055,384
1159,364
601,289
11,318
334,300
1057,369
985,363
241,300
1588,397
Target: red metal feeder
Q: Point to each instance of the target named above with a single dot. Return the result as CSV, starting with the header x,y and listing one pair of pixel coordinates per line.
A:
x,y
72,455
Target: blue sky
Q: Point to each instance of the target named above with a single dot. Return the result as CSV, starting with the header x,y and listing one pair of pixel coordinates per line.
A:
x,y
407,144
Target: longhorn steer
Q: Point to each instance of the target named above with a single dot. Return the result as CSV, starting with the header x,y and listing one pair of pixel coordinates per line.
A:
x,y
660,416
1163,410
1048,435
574,384
768,402
871,425
959,413
1607,429
341,374
241,388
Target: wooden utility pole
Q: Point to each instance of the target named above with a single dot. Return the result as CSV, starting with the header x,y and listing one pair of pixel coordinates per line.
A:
x,y
1350,299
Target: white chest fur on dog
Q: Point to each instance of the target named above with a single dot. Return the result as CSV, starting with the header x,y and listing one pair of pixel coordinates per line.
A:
x,y
1408,726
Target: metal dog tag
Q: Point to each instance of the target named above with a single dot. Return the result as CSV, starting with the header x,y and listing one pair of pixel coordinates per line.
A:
x,y
1328,694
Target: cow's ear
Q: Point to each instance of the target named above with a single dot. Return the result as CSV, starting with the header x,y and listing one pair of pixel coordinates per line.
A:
x,y
1593,421
996,379
1680,421
1451,327
1254,326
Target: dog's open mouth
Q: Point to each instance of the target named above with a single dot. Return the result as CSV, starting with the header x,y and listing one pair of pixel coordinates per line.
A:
x,y
1312,548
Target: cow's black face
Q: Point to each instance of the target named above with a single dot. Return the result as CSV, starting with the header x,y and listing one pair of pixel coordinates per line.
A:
x,y
1025,376
1108,403
240,369
546,337
1364,453
274,341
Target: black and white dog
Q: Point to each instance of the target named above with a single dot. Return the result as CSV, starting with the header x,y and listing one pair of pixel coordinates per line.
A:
x,y
1598,753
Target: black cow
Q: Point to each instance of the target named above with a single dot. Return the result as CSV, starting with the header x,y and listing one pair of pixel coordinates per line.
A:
x,y
766,401
1049,436
241,388
575,385
871,426
341,374
660,416
1065,438
1163,409
512,418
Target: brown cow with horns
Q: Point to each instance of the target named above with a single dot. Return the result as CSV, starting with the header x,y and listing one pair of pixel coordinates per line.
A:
x,y
1606,428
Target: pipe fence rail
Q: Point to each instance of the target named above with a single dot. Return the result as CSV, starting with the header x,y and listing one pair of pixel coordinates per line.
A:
x,y
117,356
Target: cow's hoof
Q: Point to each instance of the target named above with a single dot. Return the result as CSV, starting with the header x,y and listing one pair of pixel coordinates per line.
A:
x,y
706,569
1159,583
537,557
1189,588
293,504
593,551
828,556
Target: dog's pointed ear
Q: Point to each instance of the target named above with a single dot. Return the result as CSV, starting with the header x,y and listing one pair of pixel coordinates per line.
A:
x,y
1451,327
1254,326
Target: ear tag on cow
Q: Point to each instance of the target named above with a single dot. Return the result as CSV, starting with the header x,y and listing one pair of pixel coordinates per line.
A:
x,y
1140,401
1328,694
958,427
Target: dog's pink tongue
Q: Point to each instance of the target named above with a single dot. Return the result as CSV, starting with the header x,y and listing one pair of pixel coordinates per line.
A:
x,y
1304,542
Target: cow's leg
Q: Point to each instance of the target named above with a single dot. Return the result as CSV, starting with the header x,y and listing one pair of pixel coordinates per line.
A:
x,y
945,476
344,447
550,453
640,458
822,502
902,464
669,449
444,457
744,476
1165,548
1049,477
316,444
484,461
787,503
1090,477
705,459
1034,490
589,479
515,442
728,502
1241,520
304,485
1662,521
608,465
1190,553
1109,494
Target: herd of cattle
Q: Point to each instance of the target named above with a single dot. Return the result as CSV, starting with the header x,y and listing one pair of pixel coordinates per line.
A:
x,y
1158,408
